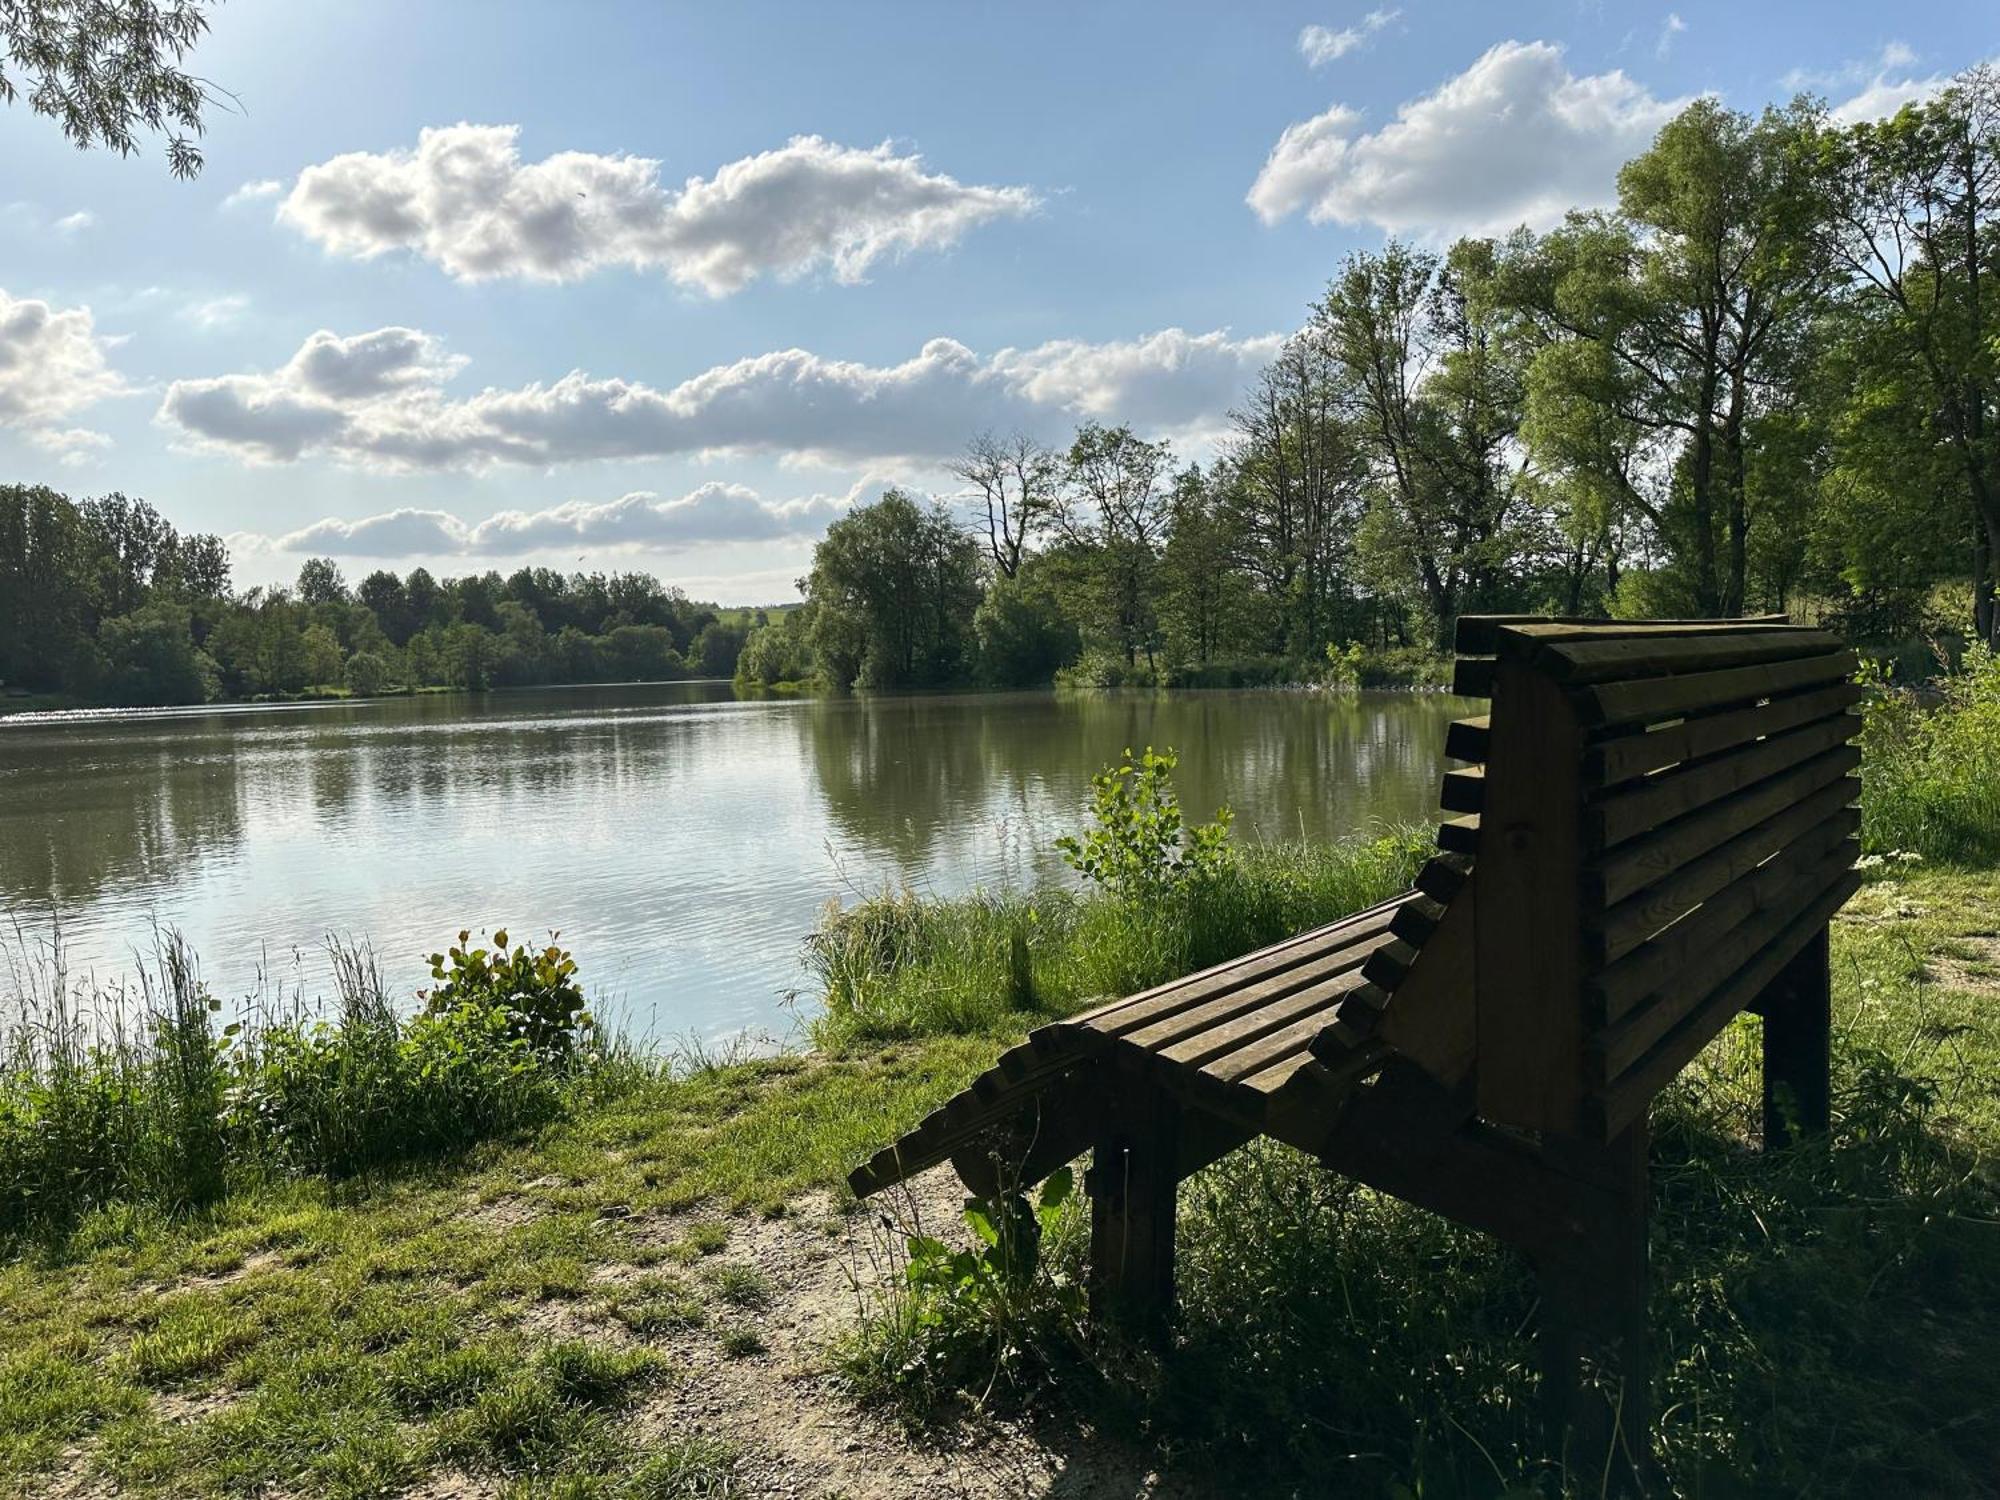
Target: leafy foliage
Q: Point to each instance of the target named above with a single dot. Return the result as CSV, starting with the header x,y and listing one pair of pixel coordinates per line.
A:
x,y
106,69
1141,848
535,990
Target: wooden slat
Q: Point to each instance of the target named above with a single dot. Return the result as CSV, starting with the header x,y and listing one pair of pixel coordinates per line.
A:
x,y
1480,635
1626,814
1464,790
1388,964
1626,1099
1632,755
1294,1040
1639,863
1230,1033
1415,921
1466,739
1655,653
1251,966
1152,1031
1459,835
1666,962
1472,677
1670,697
1625,926
1443,874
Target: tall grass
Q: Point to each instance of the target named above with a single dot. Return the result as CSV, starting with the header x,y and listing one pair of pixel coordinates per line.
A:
x,y
1813,1308
135,1093
1930,771
901,966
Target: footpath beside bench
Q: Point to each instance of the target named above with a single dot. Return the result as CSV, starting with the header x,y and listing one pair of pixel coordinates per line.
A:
x,y
1651,833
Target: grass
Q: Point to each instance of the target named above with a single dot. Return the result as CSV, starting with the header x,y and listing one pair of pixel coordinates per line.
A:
x,y
898,967
1812,1307
1930,784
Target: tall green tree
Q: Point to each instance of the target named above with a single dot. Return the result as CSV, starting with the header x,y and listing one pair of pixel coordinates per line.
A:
x,y
1689,304
893,588
1114,519
1436,386
1915,225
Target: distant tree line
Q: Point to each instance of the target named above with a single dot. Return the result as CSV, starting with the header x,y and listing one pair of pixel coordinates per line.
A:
x,y
1768,379
104,601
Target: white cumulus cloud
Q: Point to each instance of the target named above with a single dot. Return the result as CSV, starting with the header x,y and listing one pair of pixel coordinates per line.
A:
x,y
466,201
381,400
712,514
52,365
1516,138
1320,45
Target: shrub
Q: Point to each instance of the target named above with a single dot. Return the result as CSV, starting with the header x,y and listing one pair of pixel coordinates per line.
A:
x,y
1141,848
537,991
137,1098
994,1314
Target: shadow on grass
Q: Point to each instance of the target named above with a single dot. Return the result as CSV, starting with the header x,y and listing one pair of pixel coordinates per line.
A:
x,y
1822,1317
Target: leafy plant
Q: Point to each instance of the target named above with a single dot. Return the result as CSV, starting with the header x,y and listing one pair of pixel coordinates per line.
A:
x,y
1343,664
962,1320
537,989
1141,847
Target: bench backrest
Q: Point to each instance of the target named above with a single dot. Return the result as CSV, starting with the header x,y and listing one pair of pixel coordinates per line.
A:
x,y
1664,820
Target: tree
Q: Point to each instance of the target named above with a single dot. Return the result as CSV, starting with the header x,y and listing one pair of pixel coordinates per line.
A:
x,y
322,657
383,595
150,658
1435,384
320,583
1292,488
366,673
1114,515
1916,227
1015,478
893,588
1023,634
106,70
1692,298
1202,596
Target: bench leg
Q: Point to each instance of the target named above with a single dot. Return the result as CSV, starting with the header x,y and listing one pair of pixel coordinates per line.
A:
x,y
1132,1178
1798,1031
1593,1311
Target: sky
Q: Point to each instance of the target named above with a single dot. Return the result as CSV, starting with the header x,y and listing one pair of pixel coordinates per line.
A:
x,y
670,287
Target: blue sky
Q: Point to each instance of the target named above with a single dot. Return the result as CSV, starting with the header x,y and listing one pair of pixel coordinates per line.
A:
x,y
696,277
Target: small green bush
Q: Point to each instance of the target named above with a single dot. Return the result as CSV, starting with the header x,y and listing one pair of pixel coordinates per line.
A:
x,y
1140,847
536,989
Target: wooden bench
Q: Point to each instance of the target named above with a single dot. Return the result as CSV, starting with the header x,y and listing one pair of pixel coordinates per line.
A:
x,y
1651,833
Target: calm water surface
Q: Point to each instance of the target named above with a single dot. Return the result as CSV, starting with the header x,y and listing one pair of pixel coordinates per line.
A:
x,y
682,841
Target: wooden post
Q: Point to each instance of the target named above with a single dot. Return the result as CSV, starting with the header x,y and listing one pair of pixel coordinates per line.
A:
x,y
1131,1182
1798,1030
1594,1309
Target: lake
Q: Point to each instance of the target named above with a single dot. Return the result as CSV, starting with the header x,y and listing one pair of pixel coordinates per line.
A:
x,y
681,841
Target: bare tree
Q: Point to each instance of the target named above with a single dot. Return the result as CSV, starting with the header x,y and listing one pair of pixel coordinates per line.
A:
x,y
104,70
1017,478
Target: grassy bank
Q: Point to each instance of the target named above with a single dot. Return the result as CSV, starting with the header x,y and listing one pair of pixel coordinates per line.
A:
x,y
522,1310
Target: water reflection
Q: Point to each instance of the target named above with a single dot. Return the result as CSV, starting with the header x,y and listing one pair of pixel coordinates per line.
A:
x,y
681,841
